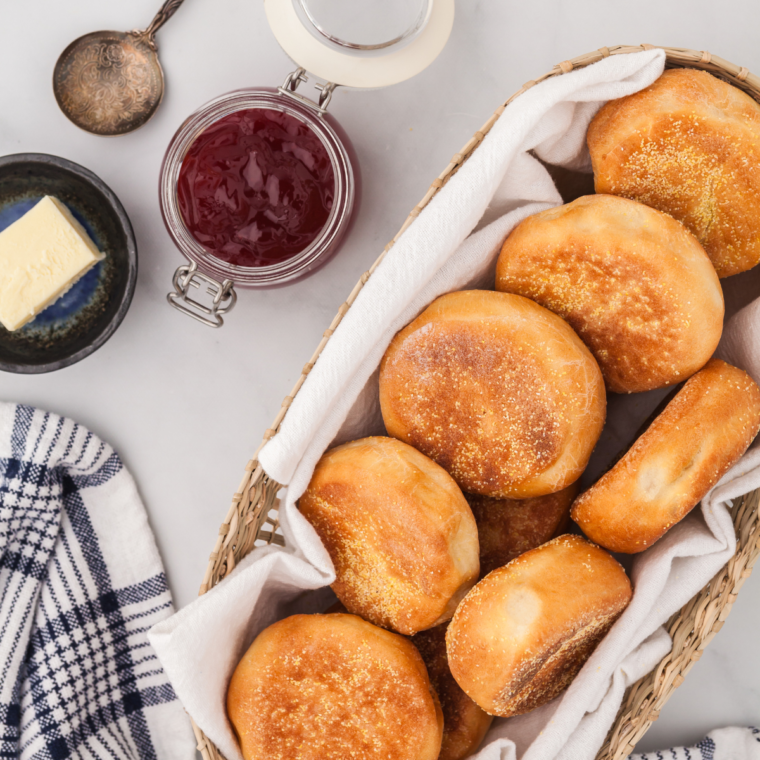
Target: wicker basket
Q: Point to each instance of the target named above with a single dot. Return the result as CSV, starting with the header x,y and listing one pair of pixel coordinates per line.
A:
x,y
252,519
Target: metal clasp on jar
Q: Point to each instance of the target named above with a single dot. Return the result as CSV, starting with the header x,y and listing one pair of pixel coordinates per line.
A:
x,y
223,295
295,78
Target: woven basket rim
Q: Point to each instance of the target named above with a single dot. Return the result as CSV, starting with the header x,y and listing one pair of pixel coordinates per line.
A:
x,y
251,518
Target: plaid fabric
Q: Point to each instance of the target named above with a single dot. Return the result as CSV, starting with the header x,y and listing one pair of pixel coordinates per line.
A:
x,y
81,583
733,743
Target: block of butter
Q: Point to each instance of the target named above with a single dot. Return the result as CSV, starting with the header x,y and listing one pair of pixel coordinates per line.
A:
x,y
42,255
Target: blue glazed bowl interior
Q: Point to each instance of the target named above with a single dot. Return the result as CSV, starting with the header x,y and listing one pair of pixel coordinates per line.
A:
x,y
87,315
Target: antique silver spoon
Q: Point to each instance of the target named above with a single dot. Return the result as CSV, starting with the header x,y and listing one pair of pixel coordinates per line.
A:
x,y
111,83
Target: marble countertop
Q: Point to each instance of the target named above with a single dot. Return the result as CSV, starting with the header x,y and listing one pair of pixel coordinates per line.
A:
x,y
185,405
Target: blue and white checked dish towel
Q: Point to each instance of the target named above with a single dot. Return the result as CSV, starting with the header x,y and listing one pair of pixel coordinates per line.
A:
x,y
732,743
81,582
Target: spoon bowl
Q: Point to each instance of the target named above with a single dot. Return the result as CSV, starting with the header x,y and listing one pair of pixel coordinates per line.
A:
x,y
111,83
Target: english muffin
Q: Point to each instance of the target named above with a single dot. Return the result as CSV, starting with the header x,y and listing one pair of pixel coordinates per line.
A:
x,y
688,448
496,389
634,283
464,723
521,635
508,528
331,687
688,145
399,531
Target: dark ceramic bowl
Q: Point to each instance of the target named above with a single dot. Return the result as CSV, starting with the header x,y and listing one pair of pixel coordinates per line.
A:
x,y
83,319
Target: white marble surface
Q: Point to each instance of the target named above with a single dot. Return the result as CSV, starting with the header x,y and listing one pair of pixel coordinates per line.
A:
x,y
185,405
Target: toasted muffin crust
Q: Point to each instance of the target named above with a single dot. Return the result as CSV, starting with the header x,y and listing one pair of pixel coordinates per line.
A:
x,y
522,634
508,528
464,723
399,531
496,389
688,145
688,448
333,687
634,283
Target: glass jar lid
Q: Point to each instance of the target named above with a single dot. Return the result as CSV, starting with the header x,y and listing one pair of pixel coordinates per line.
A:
x,y
301,28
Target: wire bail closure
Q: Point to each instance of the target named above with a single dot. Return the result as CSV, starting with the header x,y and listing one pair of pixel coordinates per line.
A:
x,y
223,295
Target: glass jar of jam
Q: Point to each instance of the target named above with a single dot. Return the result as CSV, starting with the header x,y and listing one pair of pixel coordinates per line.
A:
x,y
257,189
258,186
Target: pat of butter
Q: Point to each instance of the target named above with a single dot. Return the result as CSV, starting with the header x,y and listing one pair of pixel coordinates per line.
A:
x,y
42,255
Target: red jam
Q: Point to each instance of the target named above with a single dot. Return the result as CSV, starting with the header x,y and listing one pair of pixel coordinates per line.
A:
x,y
256,188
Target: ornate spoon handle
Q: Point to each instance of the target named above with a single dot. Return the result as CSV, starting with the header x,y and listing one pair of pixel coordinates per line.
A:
x,y
168,9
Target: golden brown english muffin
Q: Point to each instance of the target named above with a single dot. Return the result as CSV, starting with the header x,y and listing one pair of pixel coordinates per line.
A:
x,y
331,687
634,283
522,634
688,145
688,448
508,528
464,723
399,531
496,389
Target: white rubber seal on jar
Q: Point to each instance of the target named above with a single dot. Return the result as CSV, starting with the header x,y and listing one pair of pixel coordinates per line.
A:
x,y
346,69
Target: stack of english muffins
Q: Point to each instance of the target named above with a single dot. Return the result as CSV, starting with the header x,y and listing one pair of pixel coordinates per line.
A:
x,y
466,589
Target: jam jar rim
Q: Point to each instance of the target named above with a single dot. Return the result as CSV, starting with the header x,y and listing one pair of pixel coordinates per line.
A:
x,y
333,229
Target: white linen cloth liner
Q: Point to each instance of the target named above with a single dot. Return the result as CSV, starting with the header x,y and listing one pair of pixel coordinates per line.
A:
x,y
498,186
